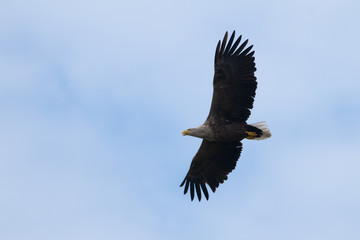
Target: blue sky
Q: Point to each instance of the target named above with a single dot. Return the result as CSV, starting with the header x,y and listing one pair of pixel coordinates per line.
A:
x,y
94,96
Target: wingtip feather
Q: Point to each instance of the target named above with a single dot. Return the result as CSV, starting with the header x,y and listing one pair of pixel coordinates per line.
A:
x,y
229,43
198,191
217,51
186,187
192,191
223,44
238,51
205,191
183,182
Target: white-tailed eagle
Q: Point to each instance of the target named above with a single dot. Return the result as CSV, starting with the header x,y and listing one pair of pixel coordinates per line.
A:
x,y
234,91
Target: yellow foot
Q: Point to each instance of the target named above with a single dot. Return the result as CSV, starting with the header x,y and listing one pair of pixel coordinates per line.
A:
x,y
251,135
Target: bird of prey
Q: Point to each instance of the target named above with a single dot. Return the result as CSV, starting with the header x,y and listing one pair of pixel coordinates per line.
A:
x,y
233,96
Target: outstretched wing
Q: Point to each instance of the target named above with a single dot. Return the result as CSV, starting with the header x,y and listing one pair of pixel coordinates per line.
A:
x,y
211,165
234,81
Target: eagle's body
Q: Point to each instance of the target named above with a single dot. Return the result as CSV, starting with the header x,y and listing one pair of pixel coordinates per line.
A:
x,y
233,97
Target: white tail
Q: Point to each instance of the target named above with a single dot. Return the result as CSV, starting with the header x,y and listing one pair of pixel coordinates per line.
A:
x,y
264,128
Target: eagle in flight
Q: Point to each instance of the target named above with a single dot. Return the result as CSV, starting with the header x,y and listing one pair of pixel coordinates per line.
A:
x,y
234,91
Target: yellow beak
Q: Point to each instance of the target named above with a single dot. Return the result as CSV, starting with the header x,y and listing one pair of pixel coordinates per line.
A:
x,y
185,132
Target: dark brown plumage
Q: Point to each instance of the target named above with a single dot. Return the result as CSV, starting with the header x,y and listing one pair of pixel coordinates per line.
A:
x,y
234,91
